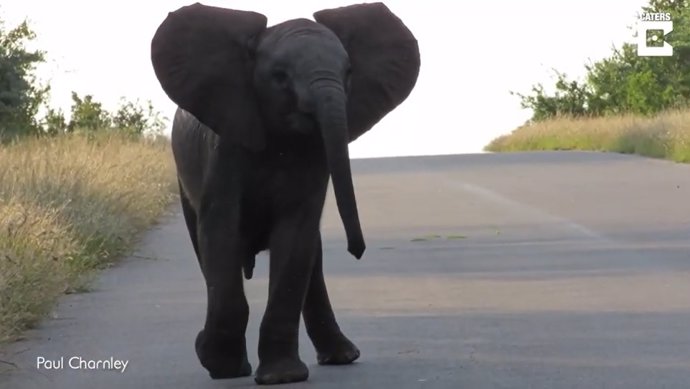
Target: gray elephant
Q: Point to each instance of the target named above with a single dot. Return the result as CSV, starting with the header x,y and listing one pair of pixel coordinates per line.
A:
x,y
265,117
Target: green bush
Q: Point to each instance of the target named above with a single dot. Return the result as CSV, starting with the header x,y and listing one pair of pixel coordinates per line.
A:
x,y
22,97
624,82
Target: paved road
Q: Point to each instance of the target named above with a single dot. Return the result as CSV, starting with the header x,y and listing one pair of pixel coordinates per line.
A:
x,y
535,270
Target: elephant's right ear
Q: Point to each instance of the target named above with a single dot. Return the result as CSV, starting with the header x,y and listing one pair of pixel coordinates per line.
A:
x,y
201,56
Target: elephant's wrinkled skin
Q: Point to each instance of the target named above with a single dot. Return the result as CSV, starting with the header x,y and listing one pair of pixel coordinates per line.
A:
x,y
279,106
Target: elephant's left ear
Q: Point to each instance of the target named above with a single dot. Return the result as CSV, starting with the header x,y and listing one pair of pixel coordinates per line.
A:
x,y
384,56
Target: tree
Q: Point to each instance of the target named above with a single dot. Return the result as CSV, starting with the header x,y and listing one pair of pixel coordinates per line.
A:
x,y
625,82
20,94
21,97
54,122
88,115
134,119
570,98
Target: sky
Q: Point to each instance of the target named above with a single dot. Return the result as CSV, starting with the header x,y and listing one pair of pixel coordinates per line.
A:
x,y
473,54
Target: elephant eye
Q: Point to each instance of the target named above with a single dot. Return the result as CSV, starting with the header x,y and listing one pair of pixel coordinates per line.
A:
x,y
280,77
348,79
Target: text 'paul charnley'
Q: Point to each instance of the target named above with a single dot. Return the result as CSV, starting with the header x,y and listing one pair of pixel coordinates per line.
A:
x,y
80,363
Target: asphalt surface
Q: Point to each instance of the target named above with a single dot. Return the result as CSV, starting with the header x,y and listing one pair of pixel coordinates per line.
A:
x,y
534,270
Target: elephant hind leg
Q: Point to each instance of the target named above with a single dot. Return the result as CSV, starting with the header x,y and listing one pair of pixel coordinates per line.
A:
x,y
190,219
248,266
332,346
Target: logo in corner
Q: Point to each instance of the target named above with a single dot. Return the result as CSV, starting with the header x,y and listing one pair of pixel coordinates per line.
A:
x,y
659,21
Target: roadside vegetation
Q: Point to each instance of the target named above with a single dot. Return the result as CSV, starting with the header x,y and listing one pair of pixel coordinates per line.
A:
x,y
626,103
665,135
74,192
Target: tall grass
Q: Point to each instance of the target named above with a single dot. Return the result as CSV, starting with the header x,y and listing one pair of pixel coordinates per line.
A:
x,y
664,136
69,205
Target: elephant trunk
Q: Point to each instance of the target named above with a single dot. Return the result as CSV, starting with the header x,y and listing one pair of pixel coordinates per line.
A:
x,y
332,118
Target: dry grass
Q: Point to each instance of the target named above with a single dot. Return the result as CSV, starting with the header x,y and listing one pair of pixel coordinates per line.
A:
x,y
69,205
664,136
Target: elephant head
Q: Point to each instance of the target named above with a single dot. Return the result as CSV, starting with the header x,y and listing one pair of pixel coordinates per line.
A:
x,y
335,77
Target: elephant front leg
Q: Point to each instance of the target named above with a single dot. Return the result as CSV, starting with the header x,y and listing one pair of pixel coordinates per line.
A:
x,y
332,346
292,251
221,345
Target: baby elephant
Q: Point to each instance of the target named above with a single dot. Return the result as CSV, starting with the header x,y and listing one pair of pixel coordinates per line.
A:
x,y
264,120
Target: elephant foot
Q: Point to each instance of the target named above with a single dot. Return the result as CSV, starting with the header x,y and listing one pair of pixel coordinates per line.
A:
x,y
281,371
223,356
339,350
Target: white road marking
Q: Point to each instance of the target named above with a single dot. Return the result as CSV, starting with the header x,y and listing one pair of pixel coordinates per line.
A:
x,y
516,206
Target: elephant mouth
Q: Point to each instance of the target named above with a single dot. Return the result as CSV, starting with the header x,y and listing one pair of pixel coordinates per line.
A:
x,y
302,123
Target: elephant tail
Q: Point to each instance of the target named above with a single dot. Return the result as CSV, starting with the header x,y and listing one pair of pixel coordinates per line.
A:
x,y
248,267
